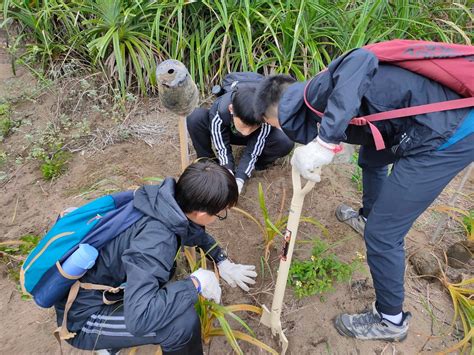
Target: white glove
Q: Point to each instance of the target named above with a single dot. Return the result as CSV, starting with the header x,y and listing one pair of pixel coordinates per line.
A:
x,y
240,184
237,274
208,284
309,158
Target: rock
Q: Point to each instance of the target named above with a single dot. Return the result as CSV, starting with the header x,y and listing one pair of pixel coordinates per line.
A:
x,y
459,254
177,90
454,275
425,264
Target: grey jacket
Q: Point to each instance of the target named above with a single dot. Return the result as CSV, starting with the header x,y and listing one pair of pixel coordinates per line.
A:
x,y
356,84
143,258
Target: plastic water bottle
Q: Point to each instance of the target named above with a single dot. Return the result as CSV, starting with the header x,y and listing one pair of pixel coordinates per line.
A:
x,y
81,260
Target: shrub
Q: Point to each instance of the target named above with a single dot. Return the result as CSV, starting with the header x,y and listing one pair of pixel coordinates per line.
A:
x,y
318,275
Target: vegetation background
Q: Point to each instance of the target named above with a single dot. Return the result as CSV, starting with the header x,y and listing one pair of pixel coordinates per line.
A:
x,y
125,39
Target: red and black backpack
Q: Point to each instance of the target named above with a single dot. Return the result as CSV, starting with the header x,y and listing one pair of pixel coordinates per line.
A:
x,y
452,65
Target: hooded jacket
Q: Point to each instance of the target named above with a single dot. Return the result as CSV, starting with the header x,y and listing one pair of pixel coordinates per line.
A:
x,y
356,84
142,259
222,127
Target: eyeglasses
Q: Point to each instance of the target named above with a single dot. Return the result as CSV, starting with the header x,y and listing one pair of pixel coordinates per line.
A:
x,y
221,218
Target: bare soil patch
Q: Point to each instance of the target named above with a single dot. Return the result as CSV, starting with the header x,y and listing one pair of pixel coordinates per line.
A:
x,y
29,205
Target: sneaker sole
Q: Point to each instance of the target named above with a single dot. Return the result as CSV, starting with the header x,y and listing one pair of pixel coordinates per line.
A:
x,y
342,330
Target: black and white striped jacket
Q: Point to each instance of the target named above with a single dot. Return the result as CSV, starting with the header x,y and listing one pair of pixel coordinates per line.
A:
x,y
221,128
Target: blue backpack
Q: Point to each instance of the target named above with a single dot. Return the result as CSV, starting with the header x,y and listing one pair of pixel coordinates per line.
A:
x,y
95,223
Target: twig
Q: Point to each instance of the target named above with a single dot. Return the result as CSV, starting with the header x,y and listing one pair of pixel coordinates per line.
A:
x,y
14,211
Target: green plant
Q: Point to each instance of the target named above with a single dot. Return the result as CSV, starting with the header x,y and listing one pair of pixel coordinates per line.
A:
x,y
54,164
356,176
125,38
270,229
462,296
14,252
209,311
118,37
6,123
3,157
49,151
464,217
319,274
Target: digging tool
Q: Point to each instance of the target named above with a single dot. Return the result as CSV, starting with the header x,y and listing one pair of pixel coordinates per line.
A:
x,y
272,318
179,94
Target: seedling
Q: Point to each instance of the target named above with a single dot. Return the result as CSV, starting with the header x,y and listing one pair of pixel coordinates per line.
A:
x,y
6,123
54,165
464,217
271,229
356,176
209,311
462,295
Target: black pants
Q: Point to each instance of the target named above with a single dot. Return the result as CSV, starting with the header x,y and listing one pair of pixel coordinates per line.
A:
x,y
393,202
107,330
277,144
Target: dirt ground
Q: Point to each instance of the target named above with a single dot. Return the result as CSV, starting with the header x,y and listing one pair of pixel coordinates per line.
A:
x,y
101,165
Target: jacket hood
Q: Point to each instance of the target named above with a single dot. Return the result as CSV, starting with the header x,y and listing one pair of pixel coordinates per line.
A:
x,y
158,202
223,105
296,119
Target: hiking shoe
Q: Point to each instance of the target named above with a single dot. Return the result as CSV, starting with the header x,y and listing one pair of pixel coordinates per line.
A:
x,y
371,326
107,352
351,217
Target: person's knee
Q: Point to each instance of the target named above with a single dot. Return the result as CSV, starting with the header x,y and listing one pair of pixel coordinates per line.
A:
x,y
184,329
286,146
282,145
196,118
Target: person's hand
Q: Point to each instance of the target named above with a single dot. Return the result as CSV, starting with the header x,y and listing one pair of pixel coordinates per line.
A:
x,y
237,274
240,184
208,285
308,159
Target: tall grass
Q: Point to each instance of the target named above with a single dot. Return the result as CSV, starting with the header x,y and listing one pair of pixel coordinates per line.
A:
x,y
126,39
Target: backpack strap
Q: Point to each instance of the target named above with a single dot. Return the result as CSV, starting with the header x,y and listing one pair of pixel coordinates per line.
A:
x,y
399,113
62,333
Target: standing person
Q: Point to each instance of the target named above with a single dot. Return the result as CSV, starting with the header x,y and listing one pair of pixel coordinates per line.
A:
x,y
152,309
231,121
427,151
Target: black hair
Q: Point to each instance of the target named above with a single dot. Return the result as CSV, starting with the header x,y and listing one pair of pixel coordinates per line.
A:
x,y
242,102
207,187
269,92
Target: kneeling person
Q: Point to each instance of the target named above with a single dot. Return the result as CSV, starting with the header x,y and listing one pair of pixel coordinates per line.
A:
x,y
142,259
231,121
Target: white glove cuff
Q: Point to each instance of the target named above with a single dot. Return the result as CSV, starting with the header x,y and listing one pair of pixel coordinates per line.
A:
x,y
335,148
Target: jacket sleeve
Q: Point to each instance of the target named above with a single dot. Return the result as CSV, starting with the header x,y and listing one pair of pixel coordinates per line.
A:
x,y
220,135
148,305
198,237
351,76
252,151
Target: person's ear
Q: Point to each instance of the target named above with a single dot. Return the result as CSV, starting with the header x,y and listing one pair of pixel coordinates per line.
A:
x,y
231,109
200,214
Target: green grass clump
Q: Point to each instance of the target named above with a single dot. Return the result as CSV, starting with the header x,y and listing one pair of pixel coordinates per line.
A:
x,y
125,39
320,273
356,175
54,165
6,123
14,252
